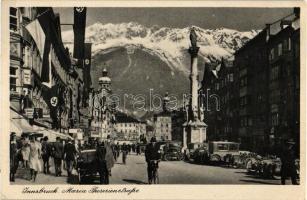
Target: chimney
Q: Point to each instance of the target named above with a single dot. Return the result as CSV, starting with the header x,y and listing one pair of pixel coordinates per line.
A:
x,y
296,12
285,23
268,31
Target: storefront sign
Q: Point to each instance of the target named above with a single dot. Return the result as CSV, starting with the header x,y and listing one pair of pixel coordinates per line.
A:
x,y
29,112
27,77
38,113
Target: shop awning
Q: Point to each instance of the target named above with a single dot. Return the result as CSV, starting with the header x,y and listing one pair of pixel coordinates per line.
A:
x,y
21,125
52,135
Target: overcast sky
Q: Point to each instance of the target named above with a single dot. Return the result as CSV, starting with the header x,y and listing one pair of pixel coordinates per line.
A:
x,y
209,18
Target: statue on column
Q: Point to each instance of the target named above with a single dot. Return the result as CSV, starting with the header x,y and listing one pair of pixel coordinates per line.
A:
x,y
193,38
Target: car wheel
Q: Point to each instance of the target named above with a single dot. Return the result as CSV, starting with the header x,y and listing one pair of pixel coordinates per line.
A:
x,y
215,159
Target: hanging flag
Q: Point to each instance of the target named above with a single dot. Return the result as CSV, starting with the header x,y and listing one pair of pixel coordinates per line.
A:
x,y
87,70
79,31
87,55
39,29
38,35
53,97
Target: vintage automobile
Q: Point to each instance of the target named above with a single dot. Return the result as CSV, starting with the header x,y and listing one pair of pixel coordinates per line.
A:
x,y
86,166
171,151
223,151
173,154
201,154
189,151
263,166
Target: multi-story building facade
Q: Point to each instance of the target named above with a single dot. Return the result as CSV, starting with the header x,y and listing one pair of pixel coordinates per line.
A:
x,y
269,86
101,111
252,64
128,128
257,93
283,87
38,62
163,126
163,122
218,99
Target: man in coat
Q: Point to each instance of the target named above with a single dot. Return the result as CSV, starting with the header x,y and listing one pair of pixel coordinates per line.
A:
x,y
70,153
288,167
109,156
46,151
13,156
57,153
152,153
101,162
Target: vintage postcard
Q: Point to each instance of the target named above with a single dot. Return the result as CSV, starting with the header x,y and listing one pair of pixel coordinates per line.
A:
x,y
153,100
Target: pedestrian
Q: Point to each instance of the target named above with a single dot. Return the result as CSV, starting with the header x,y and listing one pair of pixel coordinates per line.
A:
x,y
129,148
70,154
57,153
118,150
152,158
138,149
124,152
101,164
133,148
288,167
34,158
46,151
13,156
25,150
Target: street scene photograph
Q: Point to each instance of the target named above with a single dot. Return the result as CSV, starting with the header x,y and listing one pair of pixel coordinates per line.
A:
x,y
154,95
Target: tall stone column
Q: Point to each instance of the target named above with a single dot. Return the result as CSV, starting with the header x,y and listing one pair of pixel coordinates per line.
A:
x,y
194,130
194,82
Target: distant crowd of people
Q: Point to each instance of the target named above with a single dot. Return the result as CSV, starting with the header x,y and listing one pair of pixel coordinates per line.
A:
x,y
34,154
30,152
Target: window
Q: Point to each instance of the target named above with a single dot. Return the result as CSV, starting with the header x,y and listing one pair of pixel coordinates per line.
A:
x,y
230,77
13,19
274,73
12,84
279,53
233,147
12,71
272,54
286,44
275,119
243,101
217,86
243,81
250,122
243,122
222,147
289,44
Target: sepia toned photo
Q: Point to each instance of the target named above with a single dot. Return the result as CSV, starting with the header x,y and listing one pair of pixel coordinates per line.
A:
x,y
132,96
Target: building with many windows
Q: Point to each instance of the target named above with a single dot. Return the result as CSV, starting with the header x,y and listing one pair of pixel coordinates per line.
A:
x,y
101,111
41,68
269,86
218,99
128,128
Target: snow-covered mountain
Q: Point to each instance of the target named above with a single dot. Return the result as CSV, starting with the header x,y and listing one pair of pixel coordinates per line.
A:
x,y
140,59
169,44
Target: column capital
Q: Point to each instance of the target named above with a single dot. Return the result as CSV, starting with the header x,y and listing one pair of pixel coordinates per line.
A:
x,y
193,51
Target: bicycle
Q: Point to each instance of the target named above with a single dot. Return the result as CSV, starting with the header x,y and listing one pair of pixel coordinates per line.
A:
x,y
154,175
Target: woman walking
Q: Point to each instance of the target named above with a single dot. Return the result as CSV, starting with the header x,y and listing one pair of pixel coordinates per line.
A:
x,y
25,151
34,160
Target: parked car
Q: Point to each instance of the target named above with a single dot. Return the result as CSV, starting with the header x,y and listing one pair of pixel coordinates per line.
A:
x,y
223,151
201,154
173,154
190,150
171,151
